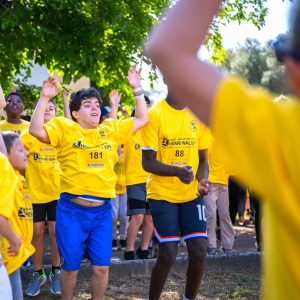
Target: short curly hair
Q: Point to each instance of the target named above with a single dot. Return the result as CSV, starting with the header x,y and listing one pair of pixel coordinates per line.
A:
x,y
83,94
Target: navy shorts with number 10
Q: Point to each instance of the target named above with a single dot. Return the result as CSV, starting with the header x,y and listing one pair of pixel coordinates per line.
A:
x,y
174,220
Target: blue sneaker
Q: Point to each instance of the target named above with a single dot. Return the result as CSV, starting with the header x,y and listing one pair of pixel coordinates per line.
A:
x,y
55,285
35,284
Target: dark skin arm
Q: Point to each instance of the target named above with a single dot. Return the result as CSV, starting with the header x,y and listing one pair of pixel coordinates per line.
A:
x,y
154,166
202,173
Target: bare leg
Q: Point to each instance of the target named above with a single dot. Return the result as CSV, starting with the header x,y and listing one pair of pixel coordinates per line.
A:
x,y
68,282
197,254
53,245
165,260
133,228
147,232
37,242
99,282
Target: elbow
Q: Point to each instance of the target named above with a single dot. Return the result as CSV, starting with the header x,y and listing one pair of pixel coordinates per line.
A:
x,y
156,53
34,132
145,165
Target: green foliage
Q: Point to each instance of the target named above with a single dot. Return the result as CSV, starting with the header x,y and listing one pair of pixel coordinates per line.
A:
x,y
258,65
94,38
253,11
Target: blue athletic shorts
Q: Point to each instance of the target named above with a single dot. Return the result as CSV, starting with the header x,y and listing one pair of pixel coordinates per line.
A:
x,y
174,220
79,227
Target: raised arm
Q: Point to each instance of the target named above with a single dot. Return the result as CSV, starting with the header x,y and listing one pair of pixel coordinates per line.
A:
x,y
2,98
141,114
66,98
2,105
49,90
114,101
173,46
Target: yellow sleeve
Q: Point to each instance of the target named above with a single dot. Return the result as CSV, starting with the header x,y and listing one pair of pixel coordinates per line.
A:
x,y
254,135
8,185
26,139
149,133
204,138
55,129
123,130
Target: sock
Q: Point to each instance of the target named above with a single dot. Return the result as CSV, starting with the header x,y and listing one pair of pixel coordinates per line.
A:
x,y
41,272
55,268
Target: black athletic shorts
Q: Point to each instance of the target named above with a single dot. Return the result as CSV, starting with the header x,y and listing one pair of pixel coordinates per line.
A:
x,y
44,211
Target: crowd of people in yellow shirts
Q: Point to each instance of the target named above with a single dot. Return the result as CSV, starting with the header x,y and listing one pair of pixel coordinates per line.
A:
x,y
102,174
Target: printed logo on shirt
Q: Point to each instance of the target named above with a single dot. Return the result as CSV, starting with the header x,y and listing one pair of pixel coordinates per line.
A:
x,y
36,156
25,213
193,125
176,143
102,133
81,145
137,146
165,142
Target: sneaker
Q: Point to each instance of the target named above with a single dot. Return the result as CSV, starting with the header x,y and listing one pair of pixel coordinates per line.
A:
x,y
35,284
129,255
142,254
211,251
227,251
114,245
54,279
241,221
123,244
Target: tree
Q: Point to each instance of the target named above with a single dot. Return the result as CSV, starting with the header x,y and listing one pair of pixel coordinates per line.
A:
x,y
95,38
258,65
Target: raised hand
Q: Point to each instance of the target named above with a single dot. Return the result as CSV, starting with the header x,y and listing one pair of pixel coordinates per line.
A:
x,y
2,98
203,187
50,88
185,174
66,96
114,98
134,77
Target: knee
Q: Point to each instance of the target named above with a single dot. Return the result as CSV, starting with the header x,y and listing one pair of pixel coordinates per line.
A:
x,y
167,257
100,271
137,219
197,250
68,275
148,220
38,234
51,228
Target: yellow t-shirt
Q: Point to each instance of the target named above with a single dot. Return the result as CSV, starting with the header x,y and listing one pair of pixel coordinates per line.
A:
x,y
120,172
20,220
260,142
88,156
217,172
17,128
8,183
133,161
43,171
176,136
